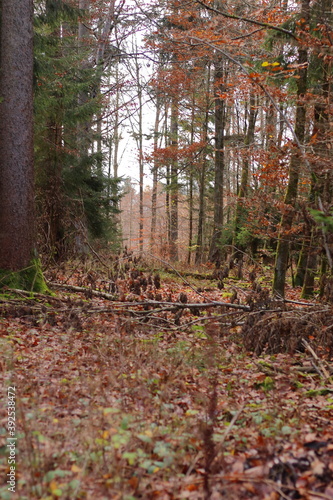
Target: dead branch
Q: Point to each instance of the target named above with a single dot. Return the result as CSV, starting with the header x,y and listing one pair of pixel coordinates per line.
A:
x,y
80,289
169,306
247,20
320,367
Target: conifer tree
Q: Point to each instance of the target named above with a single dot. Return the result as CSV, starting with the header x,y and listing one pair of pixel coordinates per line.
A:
x,y
72,188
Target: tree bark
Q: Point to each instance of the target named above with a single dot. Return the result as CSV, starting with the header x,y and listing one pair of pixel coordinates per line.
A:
x,y
282,253
17,232
242,192
174,182
155,173
215,252
311,266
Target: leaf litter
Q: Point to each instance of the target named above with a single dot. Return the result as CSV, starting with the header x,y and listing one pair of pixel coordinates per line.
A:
x,y
127,393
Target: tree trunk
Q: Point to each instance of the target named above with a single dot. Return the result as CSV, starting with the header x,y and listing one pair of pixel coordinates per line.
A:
x,y
198,253
311,266
174,182
190,189
53,195
215,252
190,226
140,152
301,263
242,192
155,173
282,253
17,232
83,130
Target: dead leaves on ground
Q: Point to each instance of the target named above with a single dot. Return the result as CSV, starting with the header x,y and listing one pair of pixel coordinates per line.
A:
x,y
110,406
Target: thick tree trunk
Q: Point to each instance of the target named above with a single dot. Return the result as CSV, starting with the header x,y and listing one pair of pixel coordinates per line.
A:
x,y
17,234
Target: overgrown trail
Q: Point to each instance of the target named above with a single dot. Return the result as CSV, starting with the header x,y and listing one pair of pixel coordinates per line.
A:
x,y
130,391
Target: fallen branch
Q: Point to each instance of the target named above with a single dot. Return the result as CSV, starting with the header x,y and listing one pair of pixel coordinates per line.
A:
x,y
81,289
321,368
33,295
169,306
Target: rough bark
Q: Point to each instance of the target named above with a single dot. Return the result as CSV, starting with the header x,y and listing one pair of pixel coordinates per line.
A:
x,y
17,234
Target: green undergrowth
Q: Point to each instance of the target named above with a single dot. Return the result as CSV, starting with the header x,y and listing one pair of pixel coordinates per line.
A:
x,y
30,279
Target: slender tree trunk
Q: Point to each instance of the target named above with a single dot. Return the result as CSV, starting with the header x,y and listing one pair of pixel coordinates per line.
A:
x,y
155,173
301,263
167,206
190,209
174,182
53,190
190,189
203,167
114,140
311,266
321,192
83,130
116,134
140,148
215,252
17,232
242,192
282,253
198,253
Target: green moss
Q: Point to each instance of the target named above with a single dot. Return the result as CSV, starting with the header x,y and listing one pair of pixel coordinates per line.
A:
x,y
31,278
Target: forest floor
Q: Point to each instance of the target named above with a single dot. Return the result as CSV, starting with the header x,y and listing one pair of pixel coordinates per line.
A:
x,y
127,390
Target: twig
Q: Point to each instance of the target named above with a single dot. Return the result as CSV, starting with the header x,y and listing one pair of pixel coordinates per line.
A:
x,y
225,435
91,248
229,428
298,302
316,358
81,289
247,20
327,249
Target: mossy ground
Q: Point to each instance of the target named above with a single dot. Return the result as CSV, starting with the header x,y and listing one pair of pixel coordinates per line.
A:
x,y
31,278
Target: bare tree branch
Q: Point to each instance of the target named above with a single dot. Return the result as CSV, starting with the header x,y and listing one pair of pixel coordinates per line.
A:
x,y
252,21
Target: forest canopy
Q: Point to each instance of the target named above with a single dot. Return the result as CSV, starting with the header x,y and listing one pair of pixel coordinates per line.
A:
x,y
228,110
166,241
